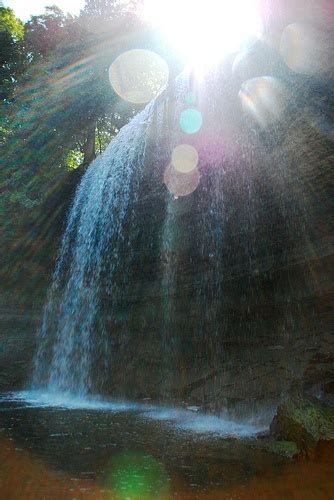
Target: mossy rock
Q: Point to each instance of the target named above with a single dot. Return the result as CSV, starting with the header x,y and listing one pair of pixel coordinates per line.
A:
x,y
285,449
305,422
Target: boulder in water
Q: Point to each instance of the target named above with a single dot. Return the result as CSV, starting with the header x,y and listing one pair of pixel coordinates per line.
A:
x,y
304,421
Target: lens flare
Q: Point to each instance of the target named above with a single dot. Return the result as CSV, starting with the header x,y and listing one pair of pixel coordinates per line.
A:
x,y
180,183
191,120
138,75
250,64
137,475
306,49
264,98
184,158
204,32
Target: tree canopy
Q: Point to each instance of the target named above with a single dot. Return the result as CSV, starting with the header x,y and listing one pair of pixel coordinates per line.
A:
x,y
58,111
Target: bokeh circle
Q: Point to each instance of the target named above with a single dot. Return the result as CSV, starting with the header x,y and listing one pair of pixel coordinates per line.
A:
x,y
138,75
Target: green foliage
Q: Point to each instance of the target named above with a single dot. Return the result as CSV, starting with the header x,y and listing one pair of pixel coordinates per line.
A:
x,y
11,54
44,33
58,111
10,24
74,158
108,9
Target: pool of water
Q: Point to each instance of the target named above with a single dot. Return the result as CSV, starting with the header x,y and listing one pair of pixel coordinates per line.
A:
x,y
56,446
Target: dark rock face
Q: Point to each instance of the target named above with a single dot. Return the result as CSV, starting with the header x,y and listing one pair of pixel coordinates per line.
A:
x,y
18,344
248,312
25,275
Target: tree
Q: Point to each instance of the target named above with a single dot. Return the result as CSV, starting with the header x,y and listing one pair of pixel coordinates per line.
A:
x,y
12,63
11,56
62,108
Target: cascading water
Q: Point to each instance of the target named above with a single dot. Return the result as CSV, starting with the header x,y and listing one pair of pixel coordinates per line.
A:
x,y
94,229
71,339
155,292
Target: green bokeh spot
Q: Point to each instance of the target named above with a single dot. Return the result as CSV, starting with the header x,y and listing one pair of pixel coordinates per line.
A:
x,y
136,475
191,121
190,98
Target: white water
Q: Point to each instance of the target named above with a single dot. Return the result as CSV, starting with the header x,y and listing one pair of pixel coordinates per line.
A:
x,y
72,343
181,419
95,226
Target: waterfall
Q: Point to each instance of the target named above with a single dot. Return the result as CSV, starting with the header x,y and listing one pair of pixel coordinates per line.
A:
x,y
103,200
73,345
182,274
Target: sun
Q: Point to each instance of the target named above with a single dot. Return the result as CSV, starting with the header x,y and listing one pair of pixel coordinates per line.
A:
x,y
204,31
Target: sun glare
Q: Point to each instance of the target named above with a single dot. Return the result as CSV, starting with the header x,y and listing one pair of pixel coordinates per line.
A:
x,y
203,32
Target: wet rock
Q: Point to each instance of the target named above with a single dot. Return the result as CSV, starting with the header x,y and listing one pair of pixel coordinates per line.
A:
x,y
287,449
305,422
318,378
